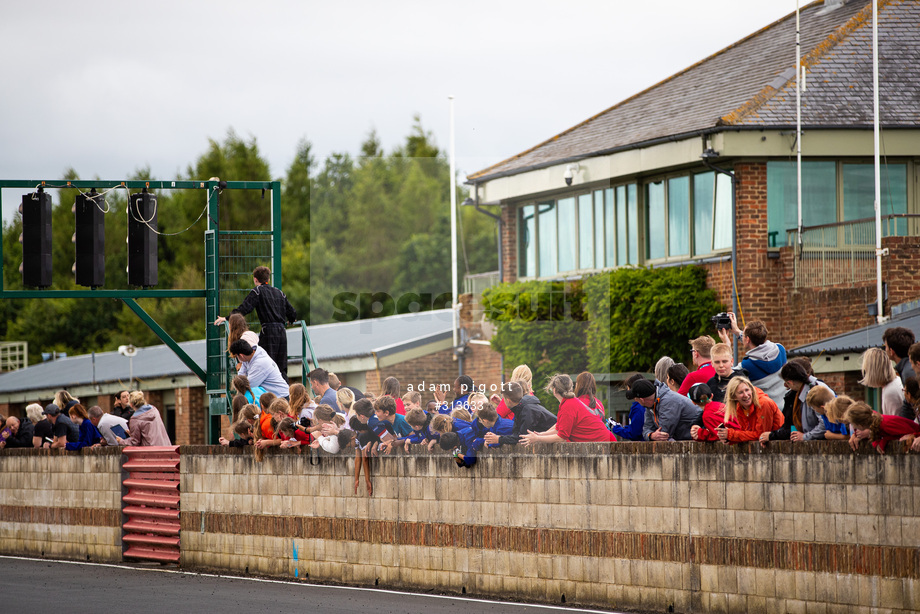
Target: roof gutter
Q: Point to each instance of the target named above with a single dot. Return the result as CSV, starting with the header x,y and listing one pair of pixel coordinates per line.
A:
x,y
672,139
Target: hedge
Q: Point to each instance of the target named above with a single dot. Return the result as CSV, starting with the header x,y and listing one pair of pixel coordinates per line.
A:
x,y
618,321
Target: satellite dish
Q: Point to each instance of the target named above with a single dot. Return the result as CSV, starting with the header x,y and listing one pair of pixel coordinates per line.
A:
x,y
127,350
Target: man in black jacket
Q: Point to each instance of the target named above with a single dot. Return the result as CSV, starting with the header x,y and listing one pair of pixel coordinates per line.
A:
x,y
274,311
529,415
21,431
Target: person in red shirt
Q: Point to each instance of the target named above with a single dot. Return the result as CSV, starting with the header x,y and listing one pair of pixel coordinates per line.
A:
x,y
574,421
878,428
586,392
713,413
290,435
700,348
391,388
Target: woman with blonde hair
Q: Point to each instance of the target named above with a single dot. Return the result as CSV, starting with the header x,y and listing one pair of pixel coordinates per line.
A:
x,y
345,399
146,425
65,401
574,422
749,412
523,376
878,372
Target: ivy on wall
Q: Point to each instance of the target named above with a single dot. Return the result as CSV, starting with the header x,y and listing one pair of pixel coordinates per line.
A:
x,y
618,321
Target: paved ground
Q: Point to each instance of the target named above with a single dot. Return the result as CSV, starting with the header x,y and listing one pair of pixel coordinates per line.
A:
x,y
39,586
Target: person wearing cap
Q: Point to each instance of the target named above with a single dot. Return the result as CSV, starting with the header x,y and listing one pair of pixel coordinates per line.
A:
x,y
668,415
63,429
713,416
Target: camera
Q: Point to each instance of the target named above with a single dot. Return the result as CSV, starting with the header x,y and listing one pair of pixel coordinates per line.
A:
x,y
722,321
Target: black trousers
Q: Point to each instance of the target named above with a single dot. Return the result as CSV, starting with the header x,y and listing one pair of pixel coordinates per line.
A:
x,y
273,339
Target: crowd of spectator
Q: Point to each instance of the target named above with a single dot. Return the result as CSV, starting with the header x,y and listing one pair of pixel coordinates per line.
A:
x,y
762,398
66,423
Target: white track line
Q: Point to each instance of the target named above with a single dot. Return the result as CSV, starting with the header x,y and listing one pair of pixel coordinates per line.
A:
x,y
308,584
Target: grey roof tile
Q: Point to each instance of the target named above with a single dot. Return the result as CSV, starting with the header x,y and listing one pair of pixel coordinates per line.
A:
x,y
744,85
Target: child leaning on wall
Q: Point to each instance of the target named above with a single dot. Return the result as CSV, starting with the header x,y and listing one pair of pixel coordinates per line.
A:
x,y
879,429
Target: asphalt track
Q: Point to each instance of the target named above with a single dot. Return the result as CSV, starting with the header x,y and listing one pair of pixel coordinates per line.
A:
x,y
40,586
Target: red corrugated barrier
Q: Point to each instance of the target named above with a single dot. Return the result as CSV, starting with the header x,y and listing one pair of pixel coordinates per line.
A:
x,y
151,505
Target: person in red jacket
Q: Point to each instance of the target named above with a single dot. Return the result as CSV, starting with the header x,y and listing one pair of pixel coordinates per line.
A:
x,y
877,428
748,412
701,349
574,421
586,392
713,413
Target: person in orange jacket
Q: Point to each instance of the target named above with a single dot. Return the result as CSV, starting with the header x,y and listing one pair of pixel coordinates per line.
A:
x,y
748,412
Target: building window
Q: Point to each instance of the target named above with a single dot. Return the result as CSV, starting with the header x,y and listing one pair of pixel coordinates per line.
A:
x,y
688,215
601,228
527,237
627,225
546,237
584,232
655,221
832,192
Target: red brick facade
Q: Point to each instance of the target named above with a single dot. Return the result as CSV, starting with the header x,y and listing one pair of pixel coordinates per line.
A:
x,y
480,362
509,244
191,416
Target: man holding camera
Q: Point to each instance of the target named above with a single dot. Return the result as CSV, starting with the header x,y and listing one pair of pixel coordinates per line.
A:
x,y
763,359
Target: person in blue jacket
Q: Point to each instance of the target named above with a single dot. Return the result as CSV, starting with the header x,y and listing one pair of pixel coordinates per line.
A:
x,y
90,437
421,431
488,421
633,430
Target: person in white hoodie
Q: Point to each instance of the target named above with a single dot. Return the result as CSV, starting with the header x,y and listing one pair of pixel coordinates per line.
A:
x,y
763,359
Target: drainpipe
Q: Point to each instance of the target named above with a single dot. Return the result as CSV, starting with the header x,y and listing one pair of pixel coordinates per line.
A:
x,y
708,154
498,220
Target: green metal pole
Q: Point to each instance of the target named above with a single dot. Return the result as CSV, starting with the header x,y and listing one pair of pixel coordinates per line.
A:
x,y
217,401
276,235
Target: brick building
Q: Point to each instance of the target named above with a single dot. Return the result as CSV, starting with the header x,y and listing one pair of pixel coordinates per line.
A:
x,y
415,348
643,182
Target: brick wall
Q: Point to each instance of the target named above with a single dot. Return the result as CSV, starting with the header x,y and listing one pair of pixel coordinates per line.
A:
x,y
61,504
481,363
845,383
678,527
438,368
509,243
191,416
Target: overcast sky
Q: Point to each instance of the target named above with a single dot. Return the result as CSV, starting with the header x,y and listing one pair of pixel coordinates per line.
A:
x,y
110,87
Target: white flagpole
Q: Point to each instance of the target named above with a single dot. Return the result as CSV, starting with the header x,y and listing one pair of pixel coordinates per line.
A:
x,y
878,170
453,229
798,125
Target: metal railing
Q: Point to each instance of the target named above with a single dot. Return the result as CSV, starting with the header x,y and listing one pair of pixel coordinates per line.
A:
x,y
14,355
844,252
476,284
